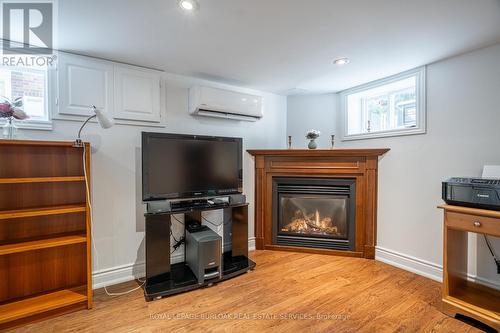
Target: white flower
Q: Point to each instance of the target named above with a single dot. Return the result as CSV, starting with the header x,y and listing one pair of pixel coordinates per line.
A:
x,y
312,134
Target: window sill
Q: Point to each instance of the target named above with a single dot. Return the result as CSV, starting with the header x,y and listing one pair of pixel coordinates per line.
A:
x,y
32,125
378,135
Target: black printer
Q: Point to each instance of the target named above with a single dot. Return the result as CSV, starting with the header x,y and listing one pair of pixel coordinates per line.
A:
x,y
472,192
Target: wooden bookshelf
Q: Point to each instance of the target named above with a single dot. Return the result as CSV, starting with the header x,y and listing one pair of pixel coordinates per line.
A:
x,y
45,244
460,295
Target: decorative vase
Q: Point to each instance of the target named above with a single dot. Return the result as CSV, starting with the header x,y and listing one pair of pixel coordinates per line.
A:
x,y
312,135
9,129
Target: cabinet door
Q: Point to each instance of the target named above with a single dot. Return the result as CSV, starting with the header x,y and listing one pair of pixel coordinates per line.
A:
x,y
137,94
84,82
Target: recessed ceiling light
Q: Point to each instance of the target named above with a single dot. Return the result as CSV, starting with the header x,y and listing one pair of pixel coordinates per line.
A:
x,y
189,5
341,61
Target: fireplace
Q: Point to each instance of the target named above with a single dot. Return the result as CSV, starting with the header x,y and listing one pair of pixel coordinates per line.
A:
x,y
348,175
314,212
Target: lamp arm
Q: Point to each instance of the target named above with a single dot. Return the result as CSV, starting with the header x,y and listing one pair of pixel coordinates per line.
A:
x,y
85,123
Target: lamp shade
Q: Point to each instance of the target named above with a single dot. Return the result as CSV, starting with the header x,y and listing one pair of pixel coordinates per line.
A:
x,y
103,120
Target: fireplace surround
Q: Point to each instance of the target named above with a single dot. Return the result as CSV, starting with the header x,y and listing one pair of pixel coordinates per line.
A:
x,y
303,229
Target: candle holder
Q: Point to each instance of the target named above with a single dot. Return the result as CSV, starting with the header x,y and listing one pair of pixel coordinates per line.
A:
x,y
289,142
333,141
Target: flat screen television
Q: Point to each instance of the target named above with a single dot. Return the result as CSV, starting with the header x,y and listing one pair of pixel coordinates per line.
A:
x,y
188,166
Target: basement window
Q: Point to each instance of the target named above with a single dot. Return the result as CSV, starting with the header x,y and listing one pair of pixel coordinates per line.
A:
x,y
29,83
389,107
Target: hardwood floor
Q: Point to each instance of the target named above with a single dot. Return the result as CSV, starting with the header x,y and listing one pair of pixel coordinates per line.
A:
x,y
286,293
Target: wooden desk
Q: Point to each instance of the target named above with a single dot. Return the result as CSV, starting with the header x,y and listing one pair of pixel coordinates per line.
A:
x,y
461,296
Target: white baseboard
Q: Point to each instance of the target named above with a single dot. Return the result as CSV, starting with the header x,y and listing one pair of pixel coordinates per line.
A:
x,y
409,263
251,244
422,267
179,257
119,274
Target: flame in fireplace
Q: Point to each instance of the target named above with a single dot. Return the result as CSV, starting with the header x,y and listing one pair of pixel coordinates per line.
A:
x,y
311,224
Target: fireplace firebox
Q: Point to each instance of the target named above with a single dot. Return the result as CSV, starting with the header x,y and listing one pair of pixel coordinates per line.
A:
x,y
314,212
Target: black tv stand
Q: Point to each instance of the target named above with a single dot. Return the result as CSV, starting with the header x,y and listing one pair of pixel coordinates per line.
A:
x,y
164,278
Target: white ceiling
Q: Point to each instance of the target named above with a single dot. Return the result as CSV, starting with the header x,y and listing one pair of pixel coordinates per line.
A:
x,y
282,46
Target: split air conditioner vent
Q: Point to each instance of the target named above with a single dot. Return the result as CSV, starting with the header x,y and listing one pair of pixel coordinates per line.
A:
x,y
220,103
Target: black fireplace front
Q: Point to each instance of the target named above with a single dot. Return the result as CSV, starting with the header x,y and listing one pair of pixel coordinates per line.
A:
x,y
314,212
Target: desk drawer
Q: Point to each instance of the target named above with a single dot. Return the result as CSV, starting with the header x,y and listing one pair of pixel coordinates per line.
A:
x,y
473,223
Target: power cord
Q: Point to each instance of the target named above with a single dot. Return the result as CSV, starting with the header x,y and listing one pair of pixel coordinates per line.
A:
x,y
179,242
143,282
497,261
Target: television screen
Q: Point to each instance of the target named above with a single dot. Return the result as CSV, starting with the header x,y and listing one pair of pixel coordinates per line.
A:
x,y
183,166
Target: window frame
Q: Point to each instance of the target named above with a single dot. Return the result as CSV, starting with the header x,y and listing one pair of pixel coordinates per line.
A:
x,y
421,107
30,124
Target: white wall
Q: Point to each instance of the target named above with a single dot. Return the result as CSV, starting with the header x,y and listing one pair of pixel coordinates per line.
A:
x,y
463,117
311,112
118,222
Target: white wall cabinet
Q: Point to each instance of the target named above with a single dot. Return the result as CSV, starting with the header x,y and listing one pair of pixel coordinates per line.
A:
x,y
137,94
129,94
83,82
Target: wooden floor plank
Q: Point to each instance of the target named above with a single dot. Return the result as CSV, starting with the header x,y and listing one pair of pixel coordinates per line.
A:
x,y
285,293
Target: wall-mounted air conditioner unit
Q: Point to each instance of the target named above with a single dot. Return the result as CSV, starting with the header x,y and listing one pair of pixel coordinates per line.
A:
x,y
220,103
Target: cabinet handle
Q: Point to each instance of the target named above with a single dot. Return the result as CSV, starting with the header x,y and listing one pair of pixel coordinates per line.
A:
x,y
477,224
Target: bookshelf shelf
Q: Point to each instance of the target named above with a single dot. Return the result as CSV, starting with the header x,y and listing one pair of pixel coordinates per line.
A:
x,y
41,244
42,180
42,211
39,304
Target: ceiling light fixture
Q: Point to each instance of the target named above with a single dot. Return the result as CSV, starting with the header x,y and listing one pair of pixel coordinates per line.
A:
x,y
341,61
189,5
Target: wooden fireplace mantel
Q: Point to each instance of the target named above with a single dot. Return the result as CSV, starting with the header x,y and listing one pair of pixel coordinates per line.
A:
x,y
358,164
319,152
